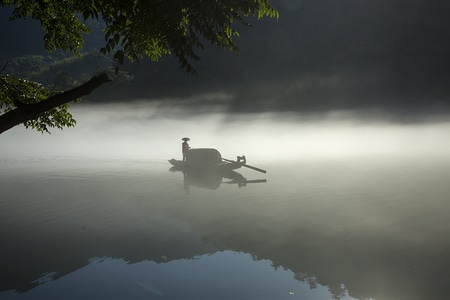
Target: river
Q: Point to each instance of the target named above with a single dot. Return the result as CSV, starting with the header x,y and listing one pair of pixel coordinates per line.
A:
x,y
347,209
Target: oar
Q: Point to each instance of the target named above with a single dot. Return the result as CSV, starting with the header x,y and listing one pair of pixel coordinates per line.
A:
x,y
256,181
247,166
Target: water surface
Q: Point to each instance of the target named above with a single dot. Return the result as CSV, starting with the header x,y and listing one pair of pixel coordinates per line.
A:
x,y
330,226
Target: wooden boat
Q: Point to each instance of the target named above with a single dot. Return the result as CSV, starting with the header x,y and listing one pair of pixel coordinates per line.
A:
x,y
205,167
207,159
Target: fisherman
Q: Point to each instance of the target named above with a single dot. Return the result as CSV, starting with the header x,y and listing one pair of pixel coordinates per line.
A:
x,y
185,147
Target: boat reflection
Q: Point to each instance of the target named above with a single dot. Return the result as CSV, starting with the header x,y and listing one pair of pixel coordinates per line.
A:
x,y
212,179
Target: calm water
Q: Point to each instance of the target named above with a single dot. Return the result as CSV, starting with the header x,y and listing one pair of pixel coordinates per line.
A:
x,y
76,228
347,210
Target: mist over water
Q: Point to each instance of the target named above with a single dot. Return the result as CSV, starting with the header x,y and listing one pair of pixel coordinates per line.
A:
x,y
143,130
353,205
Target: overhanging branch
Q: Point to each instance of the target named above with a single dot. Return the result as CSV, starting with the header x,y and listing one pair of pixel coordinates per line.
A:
x,y
33,111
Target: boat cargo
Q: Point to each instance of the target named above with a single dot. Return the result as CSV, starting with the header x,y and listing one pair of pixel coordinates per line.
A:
x,y
207,159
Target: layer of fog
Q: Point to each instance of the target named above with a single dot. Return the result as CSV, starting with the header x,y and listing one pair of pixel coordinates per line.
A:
x,y
150,131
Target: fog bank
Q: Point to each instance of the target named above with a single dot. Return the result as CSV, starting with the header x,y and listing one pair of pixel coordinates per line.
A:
x,y
151,131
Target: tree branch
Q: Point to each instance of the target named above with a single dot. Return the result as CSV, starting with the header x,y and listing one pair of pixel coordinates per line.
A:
x,y
33,111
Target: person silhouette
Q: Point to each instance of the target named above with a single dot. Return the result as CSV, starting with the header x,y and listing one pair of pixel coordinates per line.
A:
x,y
185,147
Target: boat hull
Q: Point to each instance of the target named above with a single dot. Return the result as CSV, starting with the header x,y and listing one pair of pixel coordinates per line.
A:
x,y
225,166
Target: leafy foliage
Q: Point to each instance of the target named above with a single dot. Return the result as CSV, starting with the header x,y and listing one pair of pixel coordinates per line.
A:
x,y
58,19
140,28
16,92
133,29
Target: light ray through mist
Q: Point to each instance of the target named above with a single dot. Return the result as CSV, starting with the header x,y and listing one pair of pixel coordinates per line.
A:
x,y
149,131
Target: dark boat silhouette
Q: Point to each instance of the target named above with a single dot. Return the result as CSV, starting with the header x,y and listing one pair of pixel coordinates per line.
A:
x,y
210,159
205,168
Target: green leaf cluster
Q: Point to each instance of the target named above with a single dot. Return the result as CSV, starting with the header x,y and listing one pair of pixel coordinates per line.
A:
x,y
133,29
144,28
177,27
59,19
15,92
